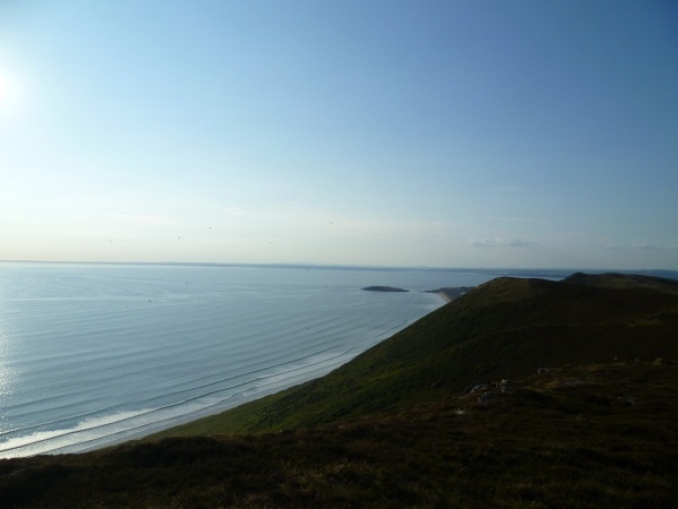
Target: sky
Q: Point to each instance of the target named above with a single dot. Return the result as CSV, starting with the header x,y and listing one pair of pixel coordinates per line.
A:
x,y
448,133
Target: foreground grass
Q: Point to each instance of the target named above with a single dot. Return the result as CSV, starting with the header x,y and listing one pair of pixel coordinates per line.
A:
x,y
595,436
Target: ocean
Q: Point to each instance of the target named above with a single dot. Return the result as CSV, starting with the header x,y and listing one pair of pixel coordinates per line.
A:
x,y
92,355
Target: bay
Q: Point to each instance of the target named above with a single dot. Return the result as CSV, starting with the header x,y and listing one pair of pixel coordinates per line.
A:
x,y
91,355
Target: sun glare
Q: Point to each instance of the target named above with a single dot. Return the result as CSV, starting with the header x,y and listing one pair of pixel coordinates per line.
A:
x,y
9,91
4,89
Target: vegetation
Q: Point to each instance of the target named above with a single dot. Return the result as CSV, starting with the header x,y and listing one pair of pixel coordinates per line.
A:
x,y
506,328
624,281
521,393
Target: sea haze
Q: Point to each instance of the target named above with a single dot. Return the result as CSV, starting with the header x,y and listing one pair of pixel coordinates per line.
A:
x,y
92,355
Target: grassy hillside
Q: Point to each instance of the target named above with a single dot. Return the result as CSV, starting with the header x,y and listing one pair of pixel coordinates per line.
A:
x,y
593,436
451,412
503,329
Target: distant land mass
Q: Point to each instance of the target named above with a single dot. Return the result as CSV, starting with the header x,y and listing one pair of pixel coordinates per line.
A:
x,y
623,281
384,289
525,392
453,292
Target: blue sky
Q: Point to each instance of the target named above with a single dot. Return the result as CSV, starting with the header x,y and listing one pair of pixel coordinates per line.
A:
x,y
398,133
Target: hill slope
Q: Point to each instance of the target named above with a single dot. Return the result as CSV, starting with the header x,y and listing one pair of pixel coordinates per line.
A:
x,y
591,436
409,422
624,281
503,329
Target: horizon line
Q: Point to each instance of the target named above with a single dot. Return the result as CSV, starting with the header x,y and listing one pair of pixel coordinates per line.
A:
x,y
309,265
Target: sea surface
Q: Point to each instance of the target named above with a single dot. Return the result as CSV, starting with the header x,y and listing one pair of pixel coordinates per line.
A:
x,y
92,355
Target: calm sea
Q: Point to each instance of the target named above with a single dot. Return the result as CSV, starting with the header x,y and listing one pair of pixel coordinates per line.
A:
x,y
92,355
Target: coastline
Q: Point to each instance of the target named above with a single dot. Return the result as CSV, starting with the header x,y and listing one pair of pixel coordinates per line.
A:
x,y
444,296
188,427
141,427
450,293
161,429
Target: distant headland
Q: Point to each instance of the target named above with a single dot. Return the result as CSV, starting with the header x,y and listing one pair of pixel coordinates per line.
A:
x,y
451,293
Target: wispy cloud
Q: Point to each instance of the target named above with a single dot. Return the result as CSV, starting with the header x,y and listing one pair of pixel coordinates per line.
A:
x,y
501,242
234,211
143,219
388,229
653,247
645,246
640,246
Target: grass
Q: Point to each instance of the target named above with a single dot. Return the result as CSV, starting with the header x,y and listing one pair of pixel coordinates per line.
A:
x,y
592,436
451,412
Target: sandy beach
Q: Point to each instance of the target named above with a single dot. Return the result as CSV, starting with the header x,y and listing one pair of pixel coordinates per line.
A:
x,y
444,296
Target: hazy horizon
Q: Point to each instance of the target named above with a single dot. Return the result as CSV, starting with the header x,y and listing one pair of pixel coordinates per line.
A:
x,y
441,134
497,270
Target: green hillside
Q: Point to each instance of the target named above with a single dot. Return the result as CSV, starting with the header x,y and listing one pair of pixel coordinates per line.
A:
x,y
505,328
600,437
624,281
523,393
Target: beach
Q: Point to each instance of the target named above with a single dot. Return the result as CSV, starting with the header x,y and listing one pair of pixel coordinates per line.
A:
x,y
95,355
444,296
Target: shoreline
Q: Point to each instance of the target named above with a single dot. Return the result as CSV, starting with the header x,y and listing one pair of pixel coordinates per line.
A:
x,y
444,296
154,430
450,293
151,430
167,432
